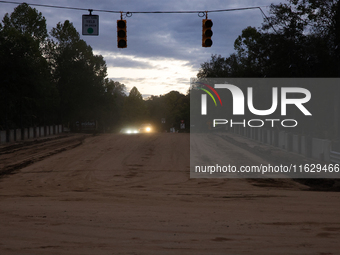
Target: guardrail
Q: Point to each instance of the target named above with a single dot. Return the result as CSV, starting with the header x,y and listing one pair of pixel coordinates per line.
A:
x,y
13,135
316,148
335,157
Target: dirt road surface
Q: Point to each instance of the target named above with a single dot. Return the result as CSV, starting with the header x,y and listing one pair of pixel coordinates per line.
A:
x,y
131,194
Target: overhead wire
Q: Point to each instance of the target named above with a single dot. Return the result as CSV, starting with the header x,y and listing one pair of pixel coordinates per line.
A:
x,y
129,14
145,12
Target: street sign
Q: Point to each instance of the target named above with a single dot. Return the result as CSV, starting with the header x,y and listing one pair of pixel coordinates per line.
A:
x,y
182,125
90,25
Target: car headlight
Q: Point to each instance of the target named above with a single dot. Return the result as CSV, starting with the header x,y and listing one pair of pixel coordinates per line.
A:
x,y
148,129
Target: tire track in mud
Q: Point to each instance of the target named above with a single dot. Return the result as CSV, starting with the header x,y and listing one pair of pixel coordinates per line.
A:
x,y
18,156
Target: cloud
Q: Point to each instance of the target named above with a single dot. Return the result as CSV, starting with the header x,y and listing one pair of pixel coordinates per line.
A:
x,y
126,62
163,50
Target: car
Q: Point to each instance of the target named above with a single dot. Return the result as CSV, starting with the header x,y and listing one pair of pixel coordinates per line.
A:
x,y
145,128
129,131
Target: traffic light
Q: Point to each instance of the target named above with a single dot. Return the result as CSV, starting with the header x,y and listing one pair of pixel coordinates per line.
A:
x,y
207,33
121,33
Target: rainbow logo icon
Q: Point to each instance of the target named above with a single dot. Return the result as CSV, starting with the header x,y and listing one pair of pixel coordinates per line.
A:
x,y
209,93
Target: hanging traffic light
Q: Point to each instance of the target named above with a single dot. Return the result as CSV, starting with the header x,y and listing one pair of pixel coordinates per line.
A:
x,y
207,33
121,33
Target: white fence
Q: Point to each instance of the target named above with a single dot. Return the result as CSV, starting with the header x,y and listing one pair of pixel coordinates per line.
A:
x,y
319,149
29,133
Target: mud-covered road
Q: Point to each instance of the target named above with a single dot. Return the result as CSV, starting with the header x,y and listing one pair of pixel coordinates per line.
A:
x,y
131,194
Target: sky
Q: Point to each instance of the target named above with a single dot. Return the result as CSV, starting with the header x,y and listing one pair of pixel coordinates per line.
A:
x,y
163,50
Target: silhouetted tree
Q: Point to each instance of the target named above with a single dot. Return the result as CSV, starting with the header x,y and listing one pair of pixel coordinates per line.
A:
x,y
134,110
26,91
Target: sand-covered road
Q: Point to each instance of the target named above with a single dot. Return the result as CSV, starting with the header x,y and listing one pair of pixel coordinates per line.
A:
x,y
121,194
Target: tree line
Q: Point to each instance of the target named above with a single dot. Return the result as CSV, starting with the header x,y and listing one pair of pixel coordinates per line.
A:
x,y
55,78
300,38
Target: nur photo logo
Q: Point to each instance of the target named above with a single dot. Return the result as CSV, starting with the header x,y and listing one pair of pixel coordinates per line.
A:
x,y
278,99
230,117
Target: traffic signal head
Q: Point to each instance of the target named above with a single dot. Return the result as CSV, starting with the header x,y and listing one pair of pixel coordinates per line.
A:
x,y
207,32
121,33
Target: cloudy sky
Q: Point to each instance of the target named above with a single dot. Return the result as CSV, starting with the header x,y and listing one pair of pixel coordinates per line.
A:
x,y
164,50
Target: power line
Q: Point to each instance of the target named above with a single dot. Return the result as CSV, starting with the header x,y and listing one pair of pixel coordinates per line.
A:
x,y
144,12
49,6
